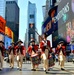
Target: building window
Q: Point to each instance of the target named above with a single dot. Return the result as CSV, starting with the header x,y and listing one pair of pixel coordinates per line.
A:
x,y
51,2
8,2
31,16
31,35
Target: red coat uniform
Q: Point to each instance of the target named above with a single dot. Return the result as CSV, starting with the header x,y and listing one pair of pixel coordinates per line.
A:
x,y
30,48
21,48
2,50
12,48
63,48
42,46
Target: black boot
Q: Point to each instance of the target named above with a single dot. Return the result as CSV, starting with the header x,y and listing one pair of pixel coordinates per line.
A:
x,y
62,69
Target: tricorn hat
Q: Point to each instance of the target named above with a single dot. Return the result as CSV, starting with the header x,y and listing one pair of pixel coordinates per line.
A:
x,y
19,41
61,42
1,42
32,41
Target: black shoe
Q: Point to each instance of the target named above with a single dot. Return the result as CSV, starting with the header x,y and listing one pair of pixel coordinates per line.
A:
x,y
0,69
20,69
46,71
33,69
12,67
62,69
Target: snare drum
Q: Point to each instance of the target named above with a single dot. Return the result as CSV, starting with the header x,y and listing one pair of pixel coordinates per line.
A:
x,y
35,59
51,61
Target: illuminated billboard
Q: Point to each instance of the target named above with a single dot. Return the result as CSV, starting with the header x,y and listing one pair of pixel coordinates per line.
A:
x,y
65,18
7,42
8,32
2,25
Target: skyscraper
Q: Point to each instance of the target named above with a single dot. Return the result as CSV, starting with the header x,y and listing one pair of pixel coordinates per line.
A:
x,y
2,8
12,17
31,21
13,0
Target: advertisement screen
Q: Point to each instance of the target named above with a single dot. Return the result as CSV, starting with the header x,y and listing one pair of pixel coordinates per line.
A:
x,y
8,32
7,42
2,25
65,18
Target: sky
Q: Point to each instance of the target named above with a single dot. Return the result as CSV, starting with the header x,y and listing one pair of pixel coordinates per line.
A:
x,y
23,5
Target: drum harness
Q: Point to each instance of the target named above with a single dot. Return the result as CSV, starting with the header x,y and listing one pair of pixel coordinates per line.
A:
x,y
33,49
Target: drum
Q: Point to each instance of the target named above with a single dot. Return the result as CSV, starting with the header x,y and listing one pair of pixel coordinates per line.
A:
x,y
51,61
35,60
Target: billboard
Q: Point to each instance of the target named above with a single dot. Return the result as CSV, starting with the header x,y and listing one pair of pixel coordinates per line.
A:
x,y
8,32
65,18
2,25
7,42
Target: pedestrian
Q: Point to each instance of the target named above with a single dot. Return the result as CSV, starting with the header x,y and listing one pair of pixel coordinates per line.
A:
x,y
12,54
32,50
2,49
20,51
61,51
45,47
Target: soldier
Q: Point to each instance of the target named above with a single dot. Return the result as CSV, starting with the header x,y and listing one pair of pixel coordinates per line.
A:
x,y
2,49
32,50
20,49
45,48
61,51
12,54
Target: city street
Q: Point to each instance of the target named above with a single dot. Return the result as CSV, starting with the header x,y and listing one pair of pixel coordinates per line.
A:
x,y
69,66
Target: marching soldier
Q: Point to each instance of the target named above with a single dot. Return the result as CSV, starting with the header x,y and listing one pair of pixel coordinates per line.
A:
x,y
20,49
45,48
61,51
32,50
12,54
2,49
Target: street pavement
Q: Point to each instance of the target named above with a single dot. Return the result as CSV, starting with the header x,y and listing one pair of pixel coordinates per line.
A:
x,y
26,70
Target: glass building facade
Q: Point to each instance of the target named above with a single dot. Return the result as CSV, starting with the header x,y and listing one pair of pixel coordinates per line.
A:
x,y
2,8
12,17
31,21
